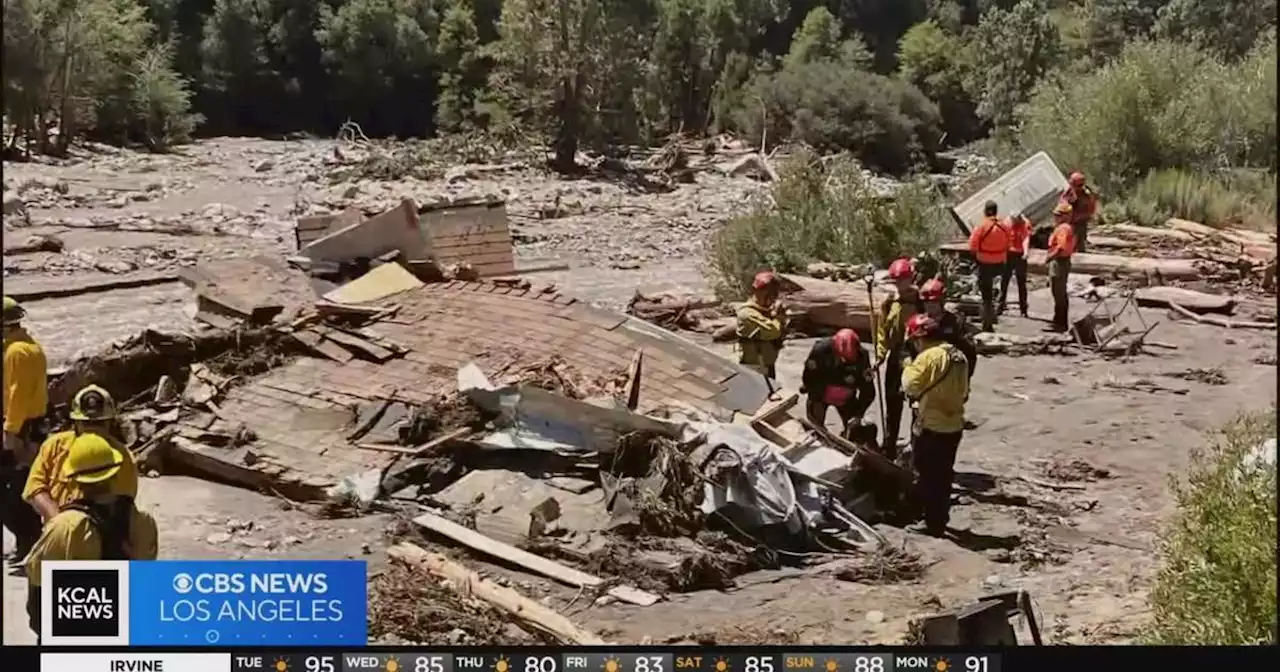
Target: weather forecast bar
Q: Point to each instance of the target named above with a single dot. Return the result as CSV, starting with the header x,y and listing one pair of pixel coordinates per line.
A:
x,y
135,662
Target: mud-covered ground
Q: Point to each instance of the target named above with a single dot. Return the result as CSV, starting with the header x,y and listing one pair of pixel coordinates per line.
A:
x,y
1083,548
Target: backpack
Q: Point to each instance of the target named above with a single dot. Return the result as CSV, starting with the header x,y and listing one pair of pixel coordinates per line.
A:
x,y
112,523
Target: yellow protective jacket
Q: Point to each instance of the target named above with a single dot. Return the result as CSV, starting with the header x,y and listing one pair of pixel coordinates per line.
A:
x,y
938,380
71,535
46,472
26,385
759,335
891,325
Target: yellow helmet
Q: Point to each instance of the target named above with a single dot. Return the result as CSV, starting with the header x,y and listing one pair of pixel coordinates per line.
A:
x,y
13,311
93,403
91,459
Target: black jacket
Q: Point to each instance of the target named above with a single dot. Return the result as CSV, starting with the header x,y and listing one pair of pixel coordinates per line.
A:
x,y
823,368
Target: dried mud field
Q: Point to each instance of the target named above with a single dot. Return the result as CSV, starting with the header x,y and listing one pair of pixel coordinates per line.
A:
x,y
1062,487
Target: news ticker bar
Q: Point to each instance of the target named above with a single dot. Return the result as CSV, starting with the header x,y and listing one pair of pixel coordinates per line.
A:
x,y
410,661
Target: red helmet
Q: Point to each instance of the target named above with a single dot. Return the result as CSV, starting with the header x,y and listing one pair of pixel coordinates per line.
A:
x,y
764,279
932,290
1076,179
921,325
901,268
845,343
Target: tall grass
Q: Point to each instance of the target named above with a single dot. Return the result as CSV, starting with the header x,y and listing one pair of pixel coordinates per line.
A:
x,y
825,211
1217,582
1241,198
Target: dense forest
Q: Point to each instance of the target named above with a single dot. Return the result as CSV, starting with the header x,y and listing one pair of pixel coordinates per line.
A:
x,y
892,81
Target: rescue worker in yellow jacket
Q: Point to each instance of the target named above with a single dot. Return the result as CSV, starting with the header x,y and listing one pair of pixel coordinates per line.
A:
x,y
762,322
93,413
891,347
91,527
26,400
937,383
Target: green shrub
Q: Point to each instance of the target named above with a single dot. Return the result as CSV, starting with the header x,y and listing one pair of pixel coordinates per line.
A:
x,y
1240,198
1217,582
160,101
1159,105
886,123
825,212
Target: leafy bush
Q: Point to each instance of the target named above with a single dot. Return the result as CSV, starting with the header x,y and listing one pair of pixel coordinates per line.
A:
x,y
825,212
1243,198
1217,584
885,123
160,101
1159,105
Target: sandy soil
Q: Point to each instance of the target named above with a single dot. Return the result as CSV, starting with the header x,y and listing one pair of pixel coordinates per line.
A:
x,y
1085,553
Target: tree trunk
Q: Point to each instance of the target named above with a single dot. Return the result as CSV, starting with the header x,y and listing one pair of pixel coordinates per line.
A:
x,y
570,124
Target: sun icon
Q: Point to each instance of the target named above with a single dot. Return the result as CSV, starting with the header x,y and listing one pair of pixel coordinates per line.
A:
x,y
282,665
502,665
942,665
722,665
831,666
392,665
612,665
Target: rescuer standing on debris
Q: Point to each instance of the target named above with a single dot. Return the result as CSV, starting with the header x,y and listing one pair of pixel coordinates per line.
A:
x,y
761,324
1062,244
989,244
838,373
1019,228
937,383
26,398
1084,205
951,327
93,413
891,344
91,528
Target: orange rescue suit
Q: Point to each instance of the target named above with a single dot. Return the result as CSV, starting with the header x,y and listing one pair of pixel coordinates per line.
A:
x,y
1083,202
1019,230
990,243
1062,242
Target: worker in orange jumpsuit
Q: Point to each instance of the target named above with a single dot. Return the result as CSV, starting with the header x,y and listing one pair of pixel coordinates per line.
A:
x,y
761,324
1019,228
891,346
26,400
1084,206
989,242
1062,244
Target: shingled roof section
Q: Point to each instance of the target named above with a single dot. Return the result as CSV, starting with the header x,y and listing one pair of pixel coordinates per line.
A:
x,y
298,411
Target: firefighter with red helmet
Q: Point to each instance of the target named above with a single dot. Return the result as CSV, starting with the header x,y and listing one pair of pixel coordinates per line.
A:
x,y
937,383
951,326
891,344
762,321
1084,207
838,373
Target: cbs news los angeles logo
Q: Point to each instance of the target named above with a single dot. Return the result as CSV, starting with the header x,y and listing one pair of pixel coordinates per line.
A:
x,y
84,603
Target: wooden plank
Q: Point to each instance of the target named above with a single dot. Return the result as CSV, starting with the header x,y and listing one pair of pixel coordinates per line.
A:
x,y
633,380
353,342
322,347
480,238
476,259
15,290
467,583
534,563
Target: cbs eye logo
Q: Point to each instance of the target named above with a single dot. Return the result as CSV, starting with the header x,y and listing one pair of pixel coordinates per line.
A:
x,y
183,583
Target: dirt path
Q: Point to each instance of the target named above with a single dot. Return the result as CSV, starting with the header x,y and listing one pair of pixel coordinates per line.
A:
x,y
1084,553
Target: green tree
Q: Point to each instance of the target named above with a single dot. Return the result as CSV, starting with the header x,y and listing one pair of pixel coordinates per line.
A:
x,y
1228,28
234,62
1013,50
938,63
818,38
461,69
382,57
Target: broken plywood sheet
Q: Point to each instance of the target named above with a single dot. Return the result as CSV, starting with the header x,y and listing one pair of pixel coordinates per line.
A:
x,y
502,500
258,288
394,230
379,283
310,229
1032,187
472,232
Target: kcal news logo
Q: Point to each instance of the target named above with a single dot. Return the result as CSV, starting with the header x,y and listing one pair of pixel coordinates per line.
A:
x,y
84,603
204,602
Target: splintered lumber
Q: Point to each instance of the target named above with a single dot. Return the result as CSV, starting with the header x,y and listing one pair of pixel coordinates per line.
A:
x,y
1196,302
534,563
1220,321
470,584
815,306
1104,264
